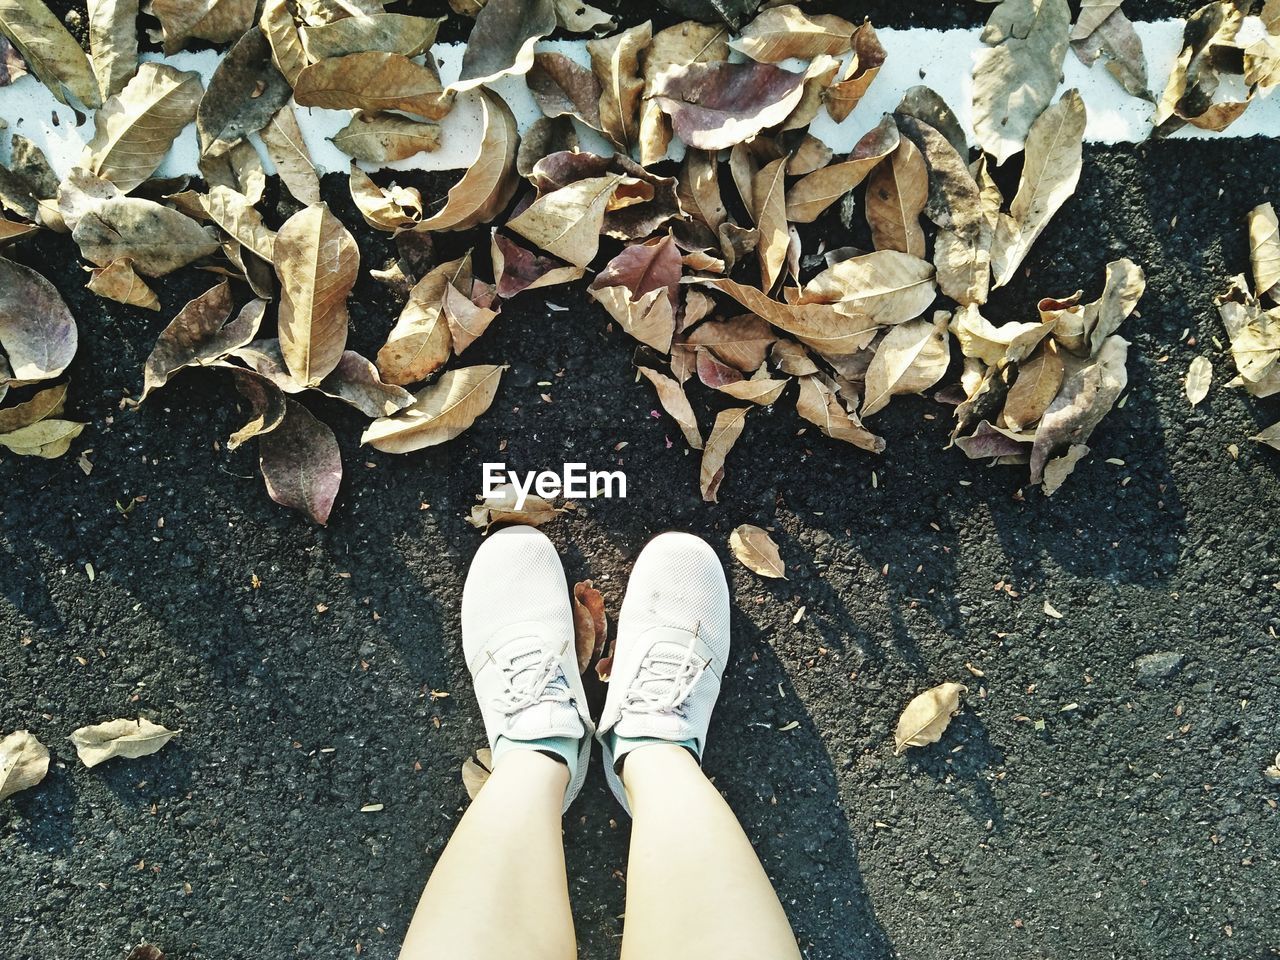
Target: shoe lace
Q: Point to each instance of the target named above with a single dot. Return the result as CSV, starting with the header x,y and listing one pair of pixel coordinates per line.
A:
x,y
666,678
532,677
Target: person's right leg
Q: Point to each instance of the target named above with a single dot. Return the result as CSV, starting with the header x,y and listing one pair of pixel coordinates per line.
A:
x,y
695,887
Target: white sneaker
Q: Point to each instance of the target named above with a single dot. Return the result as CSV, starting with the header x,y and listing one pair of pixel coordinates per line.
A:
x,y
673,642
517,635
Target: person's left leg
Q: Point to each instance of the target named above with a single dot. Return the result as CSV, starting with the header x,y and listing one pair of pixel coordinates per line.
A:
x,y
499,890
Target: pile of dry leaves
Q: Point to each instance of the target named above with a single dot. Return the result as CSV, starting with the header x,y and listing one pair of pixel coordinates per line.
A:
x,y
702,262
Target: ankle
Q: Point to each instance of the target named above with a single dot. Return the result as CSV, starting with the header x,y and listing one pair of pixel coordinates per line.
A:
x,y
655,763
535,767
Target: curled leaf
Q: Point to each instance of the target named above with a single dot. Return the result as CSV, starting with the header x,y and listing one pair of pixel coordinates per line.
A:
x,y
506,506
716,105
131,739
501,42
476,770
850,87
724,434
439,412
119,282
420,342
912,357
927,716
616,63
24,761
199,335
590,623
490,181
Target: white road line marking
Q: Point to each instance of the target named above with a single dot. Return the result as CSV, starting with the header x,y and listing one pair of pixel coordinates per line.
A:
x,y
941,59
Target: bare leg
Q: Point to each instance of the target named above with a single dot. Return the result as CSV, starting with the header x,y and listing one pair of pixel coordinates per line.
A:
x,y
499,889
695,887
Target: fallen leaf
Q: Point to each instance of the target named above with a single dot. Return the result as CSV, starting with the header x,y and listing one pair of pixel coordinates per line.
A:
x,y
466,316
24,761
145,951
400,33
11,66
440,411
786,31
50,52
563,87
501,42
1209,48
567,222
386,137
1255,339
927,716
37,332
700,188
476,770
264,396
716,105
45,403
682,43
45,438
1018,72
673,400
741,342
384,208
490,181
131,739
218,21
288,151
502,508
577,17
756,551
912,357
850,87
590,623
158,239
113,43
516,268
988,440
232,211
770,213
301,463
819,404
1038,382
244,93
199,335
317,261
886,286
420,342
356,382
373,81
134,129
1050,173
1198,380
1264,250
1113,37
280,29
119,282
979,338
820,325
724,434
616,63
896,195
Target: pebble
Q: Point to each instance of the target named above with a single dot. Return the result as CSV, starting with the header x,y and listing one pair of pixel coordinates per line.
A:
x,y
1154,667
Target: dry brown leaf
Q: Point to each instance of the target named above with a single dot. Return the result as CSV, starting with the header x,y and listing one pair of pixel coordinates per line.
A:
x,y
769,210
491,179
688,42
978,337
440,411
724,434
400,33
46,403
1038,382
134,129
200,335
887,286
288,151
911,358
567,222
44,438
37,332
317,261
741,342
1017,74
1198,380
384,208
927,716
516,268
1255,339
786,31
896,195
113,43
420,342
468,316
119,282
700,188
100,742
265,397
232,211
218,21
156,238
716,105
501,42
280,29
672,397
849,88
1050,172
24,761
813,194
756,551
590,623
301,463
476,770
1209,49
507,506
819,403
616,63
1264,250
50,52
355,381
373,81
563,87
820,325
244,93
384,137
